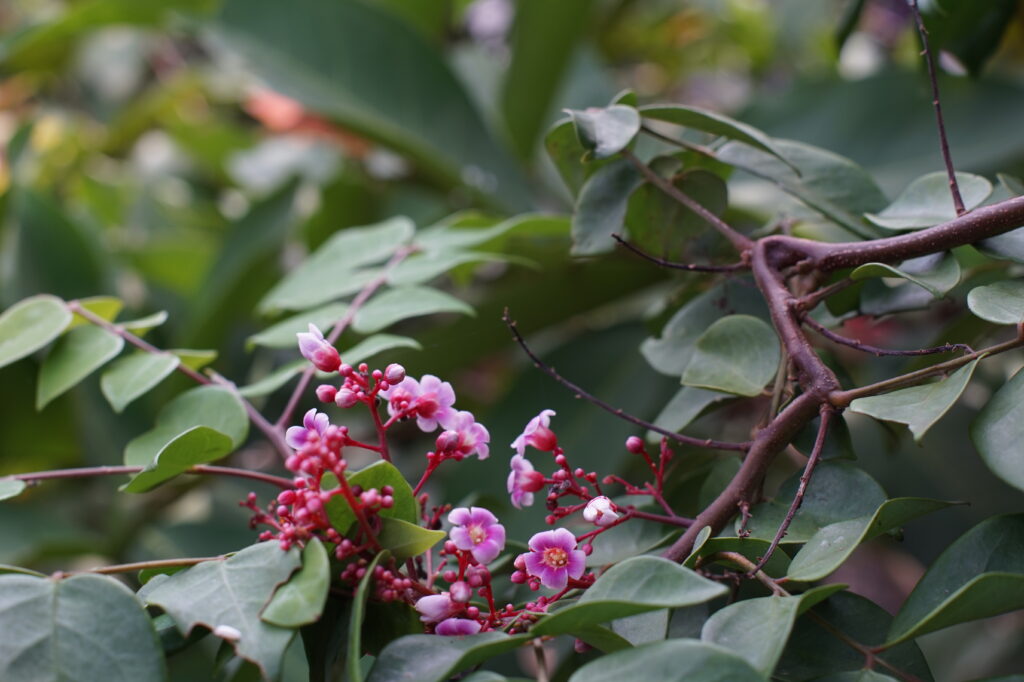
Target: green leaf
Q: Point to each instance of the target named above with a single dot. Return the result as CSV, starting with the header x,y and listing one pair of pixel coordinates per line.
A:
x,y
198,445
685,406
377,475
979,575
211,406
715,124
11,487
937,274
395,305
919,407
194,359
375,345
29,325
75,356
424,267
675,660
333,270
998,430
636,585
275,380
601,207
999,303
406,540
567,155
87,628
429,658
969,30
333,57
106,307
282,334
300,601
759,628
466,230
855,676
605,131
131,377
738,354
826,550
142,325
355,626
752,548
628,540
927,201
232,592
927,275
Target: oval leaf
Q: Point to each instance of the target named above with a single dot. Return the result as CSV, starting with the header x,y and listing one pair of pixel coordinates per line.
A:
x,y
605,131
738,354
106,307
430,658
131,377
75,356
282,334
406,540
927,201
301,600
375,345
676,660
402,303
29,325
11,487
377,475
1000,303
601,207
999,430
937,273
198,445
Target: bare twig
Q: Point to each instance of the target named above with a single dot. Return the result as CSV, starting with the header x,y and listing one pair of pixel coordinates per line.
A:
x,y
731,267
621,414
954,188
143,565
875,350
200,469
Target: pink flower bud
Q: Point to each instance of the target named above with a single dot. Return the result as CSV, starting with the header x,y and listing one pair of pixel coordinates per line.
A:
x,y
461,592
325,393
635,445
315,348
394,373
345,398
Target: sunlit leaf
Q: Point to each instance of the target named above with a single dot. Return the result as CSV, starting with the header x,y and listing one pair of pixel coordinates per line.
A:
x,y
29,325
75,356
105,307
738,354
10,487
143,324
194,359
131,377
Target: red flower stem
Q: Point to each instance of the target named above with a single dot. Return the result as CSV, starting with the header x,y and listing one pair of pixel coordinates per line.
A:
x,y
660,499
357,509
597,531
671,519
382,435
201,469
431,466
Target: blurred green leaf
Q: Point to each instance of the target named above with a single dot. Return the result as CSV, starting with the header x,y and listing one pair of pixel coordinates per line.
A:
x,y
355,626
10,487
937,273
142,325
194,359
275,380
198,445
999,303
29,325
133,376
283,334
375,345
605,132
300,601
51,631
998,430
979,575
426,266
927,201
106,307
601,207
405,540
715,124
737,354
401,303
970,30
675,660
74,357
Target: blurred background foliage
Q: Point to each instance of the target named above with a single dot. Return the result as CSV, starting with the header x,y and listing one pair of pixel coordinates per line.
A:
x,y
183,154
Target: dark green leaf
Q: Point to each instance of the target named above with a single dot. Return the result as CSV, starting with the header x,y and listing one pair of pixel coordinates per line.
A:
x,y
927,275
979,575
685,406
628,540
198,445
406,540
606,131
131,377
10,487
927,201
395,305
601,207
856,676
998,430
937,274
377,475
715,124
999,303
738,354
919,407
300,601
232,592
87,628
675,660
752,548
430,658
76,355
643,628
972,31
355,626
29,325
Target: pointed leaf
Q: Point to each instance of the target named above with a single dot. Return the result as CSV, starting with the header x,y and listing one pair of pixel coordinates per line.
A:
x,y
405,540
29,325
232,592
198,445
301,600
375,345
429,658
999,429
919,407
470,231
194,359
403,303
142,325
715,124
282,334
938,274
675,660
11,487
355,625
752,548
979,575
377,475
275,380
738,354
87,628
606,131
927,201
75,356
424,267
999,303
106,307
601,207
133,376
685,406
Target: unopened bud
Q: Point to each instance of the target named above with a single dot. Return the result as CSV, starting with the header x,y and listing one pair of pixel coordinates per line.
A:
x,y
315,348
394,373
325,393
461,592
635,445
345,398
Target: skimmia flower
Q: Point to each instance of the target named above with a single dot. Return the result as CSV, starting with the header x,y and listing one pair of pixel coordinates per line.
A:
x,y
455,627
523,482
430,400
313,424
553,558
477,531
314,347
464,436
537,434
600,511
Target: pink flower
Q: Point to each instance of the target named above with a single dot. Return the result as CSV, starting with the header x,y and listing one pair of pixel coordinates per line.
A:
x,y
313,423
430,400
600,511
523,482
553,558
477,531
537,434
464,436
456,627
314,347
436,607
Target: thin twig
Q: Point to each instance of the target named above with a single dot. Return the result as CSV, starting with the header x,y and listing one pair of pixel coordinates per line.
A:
x,y
143,565
751,569
350,313
199,469
811,300
875,350
689,146
740,242
954,188
691,267
580,393
805,478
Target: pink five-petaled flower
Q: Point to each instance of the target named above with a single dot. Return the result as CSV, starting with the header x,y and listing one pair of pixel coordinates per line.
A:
x,y
430,400
537,434
553,558
600,511
477,531
436,607
523,482
455,627
464,436
313,423
314,347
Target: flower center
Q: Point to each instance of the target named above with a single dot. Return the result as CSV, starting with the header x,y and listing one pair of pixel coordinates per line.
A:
x,y
556,557
477,534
